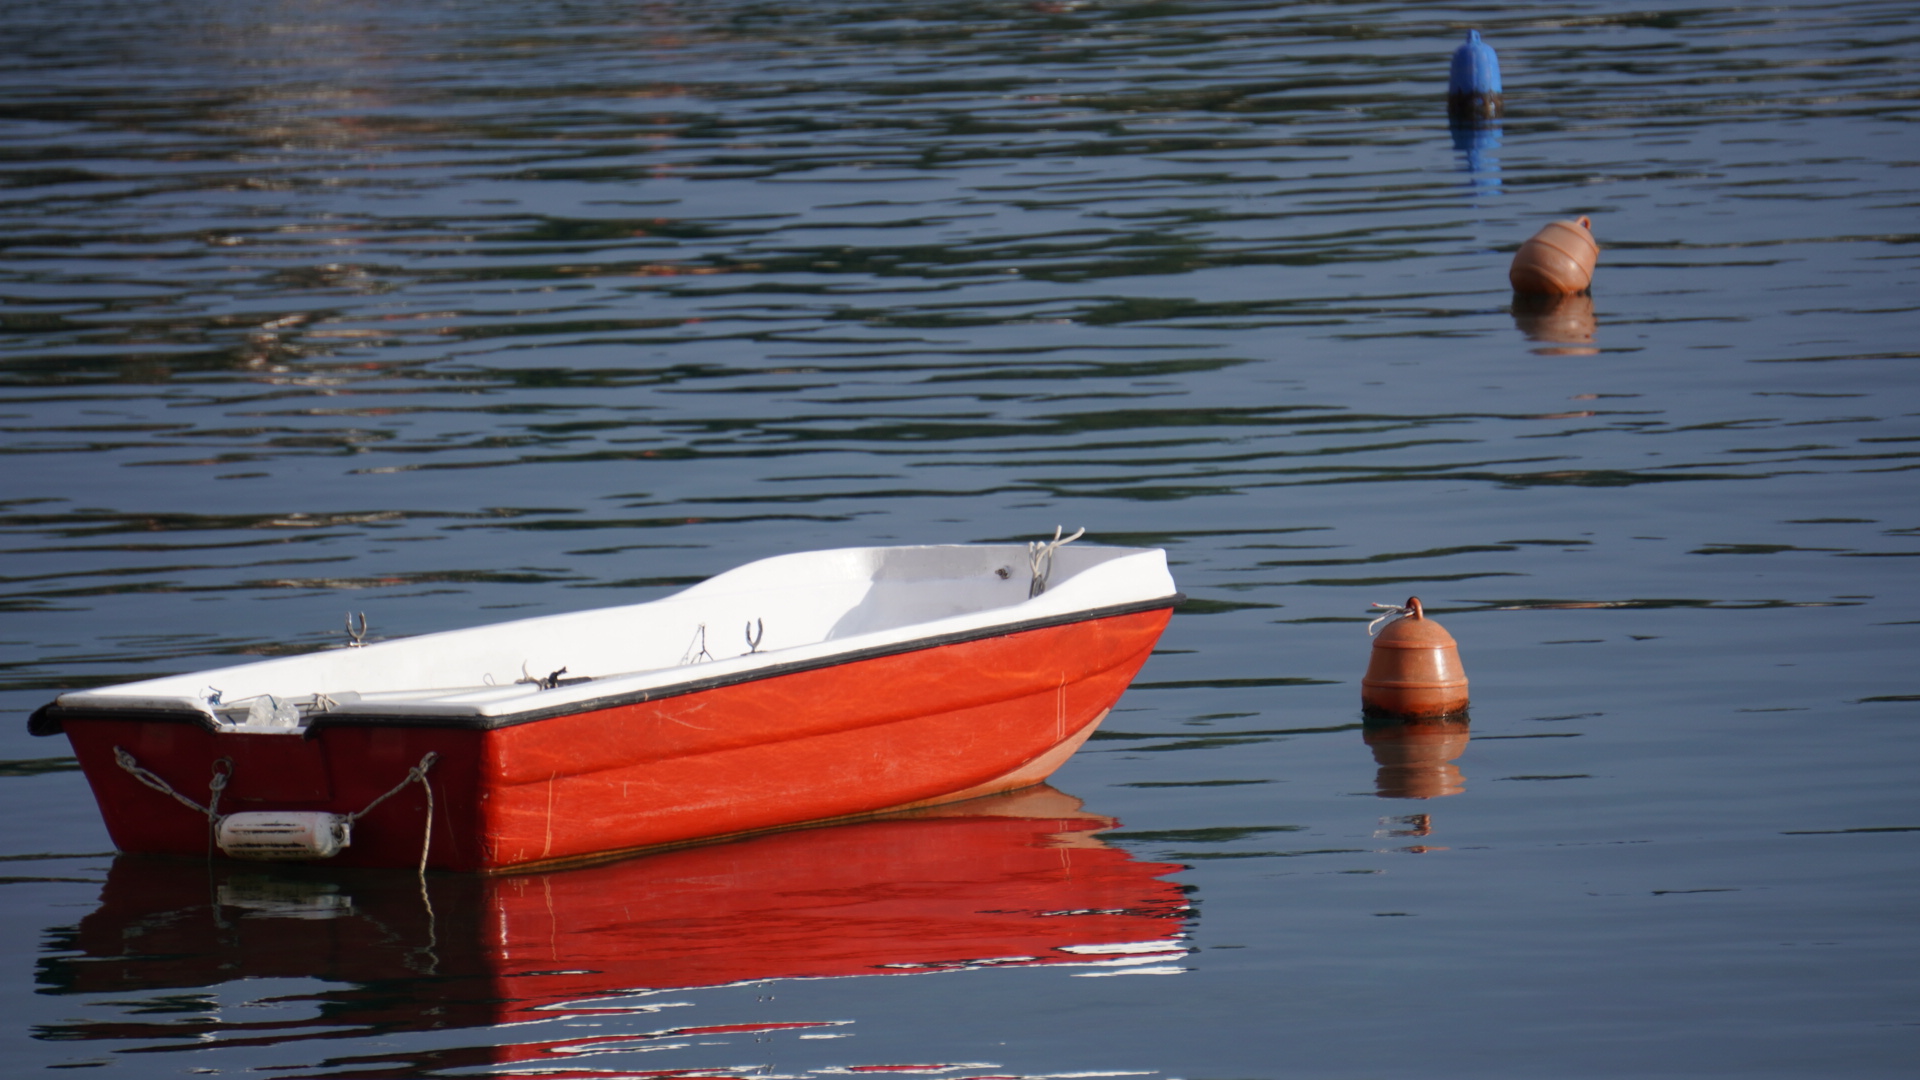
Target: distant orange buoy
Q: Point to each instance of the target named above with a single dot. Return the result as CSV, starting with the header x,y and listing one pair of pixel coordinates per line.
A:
x,y
1415,671
1557,261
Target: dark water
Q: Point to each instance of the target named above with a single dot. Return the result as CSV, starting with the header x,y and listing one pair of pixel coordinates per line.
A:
x,y
451,312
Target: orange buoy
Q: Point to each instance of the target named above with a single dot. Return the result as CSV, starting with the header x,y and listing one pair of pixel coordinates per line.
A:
x,y
1557,261
1415,671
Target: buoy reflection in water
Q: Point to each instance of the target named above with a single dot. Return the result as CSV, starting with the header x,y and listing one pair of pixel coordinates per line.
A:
x,y
1476,144
1565,324
1012,880
1416,757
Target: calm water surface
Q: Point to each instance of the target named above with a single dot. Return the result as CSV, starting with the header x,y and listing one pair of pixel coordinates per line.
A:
x,y
454,312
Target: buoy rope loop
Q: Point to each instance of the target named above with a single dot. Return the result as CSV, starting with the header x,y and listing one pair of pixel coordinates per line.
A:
x,y
1394,613
1040,557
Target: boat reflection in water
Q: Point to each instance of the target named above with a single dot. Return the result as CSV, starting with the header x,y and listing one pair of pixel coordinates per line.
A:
x,y
1416,757
1012,880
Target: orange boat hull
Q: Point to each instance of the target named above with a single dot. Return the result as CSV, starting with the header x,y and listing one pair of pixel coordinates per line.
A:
x,y
860,737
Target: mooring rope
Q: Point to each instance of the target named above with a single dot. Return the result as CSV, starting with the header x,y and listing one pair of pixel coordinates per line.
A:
x,y
417,774
1040,556
127,762
223,772
215,786
694,655
426,840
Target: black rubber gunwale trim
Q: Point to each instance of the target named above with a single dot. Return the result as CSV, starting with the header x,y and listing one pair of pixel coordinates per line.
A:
x,y
49,718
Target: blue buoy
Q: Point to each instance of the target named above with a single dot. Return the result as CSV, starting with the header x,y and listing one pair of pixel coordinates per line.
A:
x,y
1473,84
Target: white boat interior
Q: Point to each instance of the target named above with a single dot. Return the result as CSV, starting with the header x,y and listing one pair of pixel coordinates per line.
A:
x,y
802,608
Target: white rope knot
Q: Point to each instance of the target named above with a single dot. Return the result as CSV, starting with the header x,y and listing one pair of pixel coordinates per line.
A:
x,y
1394,613
1040,556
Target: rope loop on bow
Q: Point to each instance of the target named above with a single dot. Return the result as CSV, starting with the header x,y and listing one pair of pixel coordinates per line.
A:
x,y
1040,557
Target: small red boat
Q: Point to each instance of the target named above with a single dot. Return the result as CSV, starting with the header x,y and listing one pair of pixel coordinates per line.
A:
x,y
799,689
